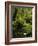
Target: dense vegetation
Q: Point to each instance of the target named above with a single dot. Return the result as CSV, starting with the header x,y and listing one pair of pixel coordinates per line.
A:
x,y
22,22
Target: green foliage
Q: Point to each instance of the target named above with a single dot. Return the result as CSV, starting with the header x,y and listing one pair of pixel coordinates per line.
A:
x,y
22,22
